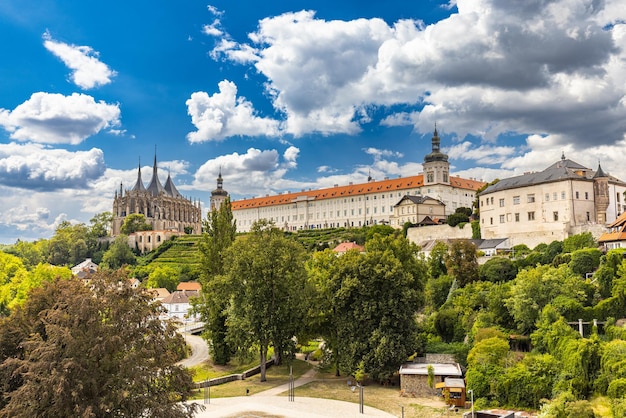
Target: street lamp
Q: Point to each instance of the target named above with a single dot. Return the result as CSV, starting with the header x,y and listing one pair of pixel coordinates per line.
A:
x,y
471,392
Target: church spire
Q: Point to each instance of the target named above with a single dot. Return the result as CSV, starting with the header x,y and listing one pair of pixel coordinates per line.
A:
x,y
139,184
436,154
155,186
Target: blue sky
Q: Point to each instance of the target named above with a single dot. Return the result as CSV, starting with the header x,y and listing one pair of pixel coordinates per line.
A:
x,y
291,95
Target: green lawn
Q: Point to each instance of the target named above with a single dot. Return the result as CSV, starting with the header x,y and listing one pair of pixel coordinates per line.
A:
x,y
386,398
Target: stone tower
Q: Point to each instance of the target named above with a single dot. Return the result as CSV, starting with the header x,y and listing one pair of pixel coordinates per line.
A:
x,y
601,194
436,165
219,195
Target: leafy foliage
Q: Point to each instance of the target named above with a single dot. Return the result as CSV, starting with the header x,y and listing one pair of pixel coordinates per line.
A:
x,y
578,242
462,262
135,222
218,234
118,255
267,277
498,269
96,351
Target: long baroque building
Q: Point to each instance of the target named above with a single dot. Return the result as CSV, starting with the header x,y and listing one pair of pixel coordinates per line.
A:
x,y
361,204
540,207
163,206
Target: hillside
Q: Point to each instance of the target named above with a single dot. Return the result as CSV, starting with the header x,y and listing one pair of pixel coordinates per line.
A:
x,y
180,252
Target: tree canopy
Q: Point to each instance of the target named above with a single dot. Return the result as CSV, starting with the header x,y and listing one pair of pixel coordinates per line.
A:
x,y
267,279
91,351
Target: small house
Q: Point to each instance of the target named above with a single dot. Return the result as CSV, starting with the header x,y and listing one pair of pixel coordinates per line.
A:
x,y
453,391
178,304
414,376
344,247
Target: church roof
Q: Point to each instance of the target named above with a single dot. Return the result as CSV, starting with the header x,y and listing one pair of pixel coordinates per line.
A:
x,y
360,189
436,154
155,187
139,183
170,189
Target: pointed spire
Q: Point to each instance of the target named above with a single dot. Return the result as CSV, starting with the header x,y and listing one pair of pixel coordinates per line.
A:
x,y
369,175
562,155
436,154
220,181
599,173
155,187
139,184
219,191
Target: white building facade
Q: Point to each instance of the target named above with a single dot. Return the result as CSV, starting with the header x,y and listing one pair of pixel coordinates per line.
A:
x,y
361,204
562,200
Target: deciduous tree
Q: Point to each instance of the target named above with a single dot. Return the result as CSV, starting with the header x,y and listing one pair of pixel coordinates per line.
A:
x,y
119,254
462,262
135,222
219,231
268,278
91,351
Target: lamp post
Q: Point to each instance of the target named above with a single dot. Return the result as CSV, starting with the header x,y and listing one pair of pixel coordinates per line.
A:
x,y
471,392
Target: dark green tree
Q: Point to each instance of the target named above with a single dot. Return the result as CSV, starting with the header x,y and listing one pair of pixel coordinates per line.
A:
x,y
379,294
92,351
119,254
68,246
268,279
497,269
135,222
462,262
457,218
322,316
437,260
219,229
585,261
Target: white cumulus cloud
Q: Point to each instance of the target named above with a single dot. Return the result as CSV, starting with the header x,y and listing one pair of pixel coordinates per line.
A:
x,y
87,70
51,118
32,166
224,115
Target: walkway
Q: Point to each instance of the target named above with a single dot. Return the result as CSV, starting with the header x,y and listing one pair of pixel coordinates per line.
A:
x,y
199,351
267,404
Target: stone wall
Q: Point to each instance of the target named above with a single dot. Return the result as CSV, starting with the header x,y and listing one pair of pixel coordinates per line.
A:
x,y
432,232
417,384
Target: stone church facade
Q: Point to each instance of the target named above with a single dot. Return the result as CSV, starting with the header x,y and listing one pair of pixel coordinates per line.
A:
x,y
163,206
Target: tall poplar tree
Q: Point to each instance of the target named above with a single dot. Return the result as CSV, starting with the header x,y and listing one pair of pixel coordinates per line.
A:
x,y
219,231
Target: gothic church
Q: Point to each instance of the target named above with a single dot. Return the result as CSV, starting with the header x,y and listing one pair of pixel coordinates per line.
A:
x,y
162,205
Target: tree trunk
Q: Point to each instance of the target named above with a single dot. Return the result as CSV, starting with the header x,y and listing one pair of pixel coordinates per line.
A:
x,y
278,358
263,356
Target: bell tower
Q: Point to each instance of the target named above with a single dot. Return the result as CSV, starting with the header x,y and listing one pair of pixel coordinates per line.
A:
x,y
436,165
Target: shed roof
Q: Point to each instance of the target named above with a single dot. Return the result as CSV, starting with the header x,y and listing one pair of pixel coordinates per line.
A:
x,y
440,369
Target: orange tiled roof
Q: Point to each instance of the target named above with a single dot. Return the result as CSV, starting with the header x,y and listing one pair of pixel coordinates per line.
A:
x,y
189,286
360,189
618,235
346,246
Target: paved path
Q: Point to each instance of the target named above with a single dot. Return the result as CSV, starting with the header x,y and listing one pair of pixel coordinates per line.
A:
x,y
281,407
267,404
199,351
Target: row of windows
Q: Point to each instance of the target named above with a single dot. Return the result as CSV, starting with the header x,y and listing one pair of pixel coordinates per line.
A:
x,y
530,198
530,217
